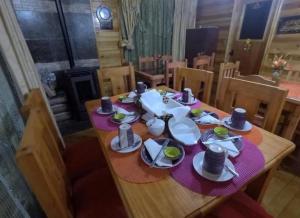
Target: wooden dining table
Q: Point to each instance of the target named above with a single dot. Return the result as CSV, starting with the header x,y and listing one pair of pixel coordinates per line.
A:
x,y
166,197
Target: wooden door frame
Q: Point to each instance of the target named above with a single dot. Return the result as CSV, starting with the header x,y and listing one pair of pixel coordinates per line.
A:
x,y
236,23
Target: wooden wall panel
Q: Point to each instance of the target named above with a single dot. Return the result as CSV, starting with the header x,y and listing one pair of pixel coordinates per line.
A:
x,y
287,44
108,41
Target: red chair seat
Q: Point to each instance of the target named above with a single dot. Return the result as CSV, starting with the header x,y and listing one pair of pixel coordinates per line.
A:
x,y
84,157
95,195
239,206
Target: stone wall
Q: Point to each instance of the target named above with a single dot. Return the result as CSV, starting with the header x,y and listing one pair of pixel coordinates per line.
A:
x,y
39,22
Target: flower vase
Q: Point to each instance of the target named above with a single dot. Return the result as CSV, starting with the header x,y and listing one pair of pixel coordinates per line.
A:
x,y
276,76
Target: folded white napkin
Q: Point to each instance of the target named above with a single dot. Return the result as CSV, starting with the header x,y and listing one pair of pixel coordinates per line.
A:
x,y
231,149
179,112
152,102
123,111
207,119
153,148
131,95
147,116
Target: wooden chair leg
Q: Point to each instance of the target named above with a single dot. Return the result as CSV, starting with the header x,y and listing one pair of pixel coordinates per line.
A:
x,y
257,188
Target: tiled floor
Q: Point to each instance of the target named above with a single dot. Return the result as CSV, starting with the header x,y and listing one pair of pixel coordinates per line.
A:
x,y
282,198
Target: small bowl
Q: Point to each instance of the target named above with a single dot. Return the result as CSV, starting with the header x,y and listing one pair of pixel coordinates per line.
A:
x,y
196,112
119,116
221,131
122,97
172,153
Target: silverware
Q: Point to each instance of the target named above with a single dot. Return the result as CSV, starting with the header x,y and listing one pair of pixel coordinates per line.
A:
x,y
162,148
232,171
133,146
234,151
204,115
222,140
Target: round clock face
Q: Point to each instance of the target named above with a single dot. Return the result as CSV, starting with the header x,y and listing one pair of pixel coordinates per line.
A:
x,y
103,13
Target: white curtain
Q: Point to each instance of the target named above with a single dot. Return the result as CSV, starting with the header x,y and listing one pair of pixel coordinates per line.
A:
x,y
184,18
130,11
15,51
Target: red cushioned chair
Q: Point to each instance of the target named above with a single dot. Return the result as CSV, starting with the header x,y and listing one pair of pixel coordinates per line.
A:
x,y
80,158
240,205
90,196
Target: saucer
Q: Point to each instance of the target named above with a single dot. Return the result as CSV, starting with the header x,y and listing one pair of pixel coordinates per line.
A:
x,y
203,123
247,127
238,143
148,160
127,119
194,101
114,145
223,177
127,100
100,112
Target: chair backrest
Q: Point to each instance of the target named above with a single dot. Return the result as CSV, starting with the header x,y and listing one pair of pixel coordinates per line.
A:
x,y
257,79
200,81
168,58
293,72
42,169
121,79
171,68
147,63
36,100
250,95
226,70
203,61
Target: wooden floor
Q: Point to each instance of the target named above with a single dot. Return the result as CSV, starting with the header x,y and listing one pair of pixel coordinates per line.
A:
x,y
282,197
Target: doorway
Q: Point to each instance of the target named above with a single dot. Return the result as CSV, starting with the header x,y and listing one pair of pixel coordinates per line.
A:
x,y
249,32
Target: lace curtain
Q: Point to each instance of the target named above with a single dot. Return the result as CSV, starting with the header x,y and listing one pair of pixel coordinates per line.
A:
x,y
153,32
15,197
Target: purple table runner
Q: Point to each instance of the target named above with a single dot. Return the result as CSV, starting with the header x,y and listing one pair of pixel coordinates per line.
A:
x,y
103,122
248,164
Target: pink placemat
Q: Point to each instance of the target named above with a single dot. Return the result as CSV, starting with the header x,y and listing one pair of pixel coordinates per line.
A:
x,y
103,122
248,164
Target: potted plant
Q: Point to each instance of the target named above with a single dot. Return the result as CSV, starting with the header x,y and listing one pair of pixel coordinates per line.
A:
x,y
278,65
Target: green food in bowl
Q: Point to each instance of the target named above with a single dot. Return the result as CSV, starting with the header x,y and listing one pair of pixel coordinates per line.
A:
x,y
122,97
196,112
221,131
119,116
172,152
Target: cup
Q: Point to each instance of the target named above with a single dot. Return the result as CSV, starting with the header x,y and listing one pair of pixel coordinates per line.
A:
x,y
126,136
141,87
238,118
106,104
187,95
214,159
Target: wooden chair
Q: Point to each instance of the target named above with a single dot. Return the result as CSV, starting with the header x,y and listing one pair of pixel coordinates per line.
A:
x,y
79,158
204,61
200,81
293,75
92,196
35,99
147,63
257,79
171,67
121,79
226,70
250,95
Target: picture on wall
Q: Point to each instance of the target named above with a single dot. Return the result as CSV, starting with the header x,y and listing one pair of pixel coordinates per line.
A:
x,y
289,25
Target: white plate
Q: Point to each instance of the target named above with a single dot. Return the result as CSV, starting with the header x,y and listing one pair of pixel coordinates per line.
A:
x,y
127,119
127,100
99,111
224,176
187,103
115,144
185,131
247,127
